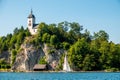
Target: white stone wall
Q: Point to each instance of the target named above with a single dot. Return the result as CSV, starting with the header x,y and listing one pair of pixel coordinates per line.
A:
x,y
30,27
33,31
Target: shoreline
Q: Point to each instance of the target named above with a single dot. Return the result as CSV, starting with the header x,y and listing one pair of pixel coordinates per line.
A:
x,y
5,70
9,70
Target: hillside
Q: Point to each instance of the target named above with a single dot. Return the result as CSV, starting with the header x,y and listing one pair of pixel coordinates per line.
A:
x,y
20,51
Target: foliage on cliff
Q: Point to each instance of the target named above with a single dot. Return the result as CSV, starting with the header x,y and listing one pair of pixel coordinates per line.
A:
x,y
85,51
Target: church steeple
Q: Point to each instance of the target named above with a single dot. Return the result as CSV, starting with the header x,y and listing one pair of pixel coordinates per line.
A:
x,y
31,23
31,14
31,20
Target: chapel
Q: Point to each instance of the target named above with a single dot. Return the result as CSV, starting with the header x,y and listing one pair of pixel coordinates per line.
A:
x,y
32,26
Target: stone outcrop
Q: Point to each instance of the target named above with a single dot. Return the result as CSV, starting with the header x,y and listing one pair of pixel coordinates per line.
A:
x,y
5,56
52,55
27,58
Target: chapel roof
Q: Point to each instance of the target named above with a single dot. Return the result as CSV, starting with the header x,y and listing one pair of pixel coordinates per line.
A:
x,y
35,26
31,15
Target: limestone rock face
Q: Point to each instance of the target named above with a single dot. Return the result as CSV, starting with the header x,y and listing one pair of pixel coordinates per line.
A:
x,y
5,56
52,55
27,58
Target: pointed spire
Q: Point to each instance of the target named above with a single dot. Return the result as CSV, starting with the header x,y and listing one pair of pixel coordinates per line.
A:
x,y
31,11
31,14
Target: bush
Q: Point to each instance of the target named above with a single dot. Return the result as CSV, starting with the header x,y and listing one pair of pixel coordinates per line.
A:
x,y
42,61
14,53
61,61
51,51
66,45
112,70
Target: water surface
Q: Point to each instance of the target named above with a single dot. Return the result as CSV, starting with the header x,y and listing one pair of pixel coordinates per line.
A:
x,y
59,76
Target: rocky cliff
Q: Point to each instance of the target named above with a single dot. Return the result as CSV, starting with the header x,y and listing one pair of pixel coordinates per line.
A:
x,y
29,56
52,55
5,56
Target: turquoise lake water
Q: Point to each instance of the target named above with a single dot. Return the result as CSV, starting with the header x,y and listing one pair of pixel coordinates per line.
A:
x,y
59,76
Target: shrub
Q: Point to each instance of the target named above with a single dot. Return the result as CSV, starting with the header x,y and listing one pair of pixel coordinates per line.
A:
x,y
42,61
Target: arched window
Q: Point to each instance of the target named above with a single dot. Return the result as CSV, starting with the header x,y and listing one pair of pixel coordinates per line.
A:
x,y
29,23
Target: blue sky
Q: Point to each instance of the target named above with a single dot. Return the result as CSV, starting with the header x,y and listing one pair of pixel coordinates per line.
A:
x,y
94,15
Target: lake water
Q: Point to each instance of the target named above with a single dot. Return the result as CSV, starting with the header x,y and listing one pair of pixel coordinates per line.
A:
x,y
59,76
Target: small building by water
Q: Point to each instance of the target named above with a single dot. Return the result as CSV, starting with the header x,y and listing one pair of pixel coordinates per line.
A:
x,y
40,67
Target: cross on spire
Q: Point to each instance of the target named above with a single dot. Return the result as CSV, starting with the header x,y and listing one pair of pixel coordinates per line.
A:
x,y
31,11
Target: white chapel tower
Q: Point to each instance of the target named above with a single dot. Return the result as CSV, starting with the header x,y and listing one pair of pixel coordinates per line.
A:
x,y
31,23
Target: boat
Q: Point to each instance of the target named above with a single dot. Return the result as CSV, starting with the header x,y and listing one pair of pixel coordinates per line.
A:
x,y
66,66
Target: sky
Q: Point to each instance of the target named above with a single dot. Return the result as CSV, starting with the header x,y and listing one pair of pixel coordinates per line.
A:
x,y
93,15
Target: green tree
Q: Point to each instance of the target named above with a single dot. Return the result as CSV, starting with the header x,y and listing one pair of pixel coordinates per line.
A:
x,y
20,38
101,35
53,40
77,53
46,38
94,50
76,28
104,50
43,28
88,63
13,41
14,53
27,33
16,30
87,35
4,47
66,45
113,56
64,25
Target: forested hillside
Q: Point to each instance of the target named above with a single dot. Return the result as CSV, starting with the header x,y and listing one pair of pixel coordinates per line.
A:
x,y
85,51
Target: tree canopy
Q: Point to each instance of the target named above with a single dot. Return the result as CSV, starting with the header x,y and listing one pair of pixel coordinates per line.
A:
x,y
85,51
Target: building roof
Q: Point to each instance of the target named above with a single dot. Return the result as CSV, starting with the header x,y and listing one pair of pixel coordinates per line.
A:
x,y
35,26
40,66
31,15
